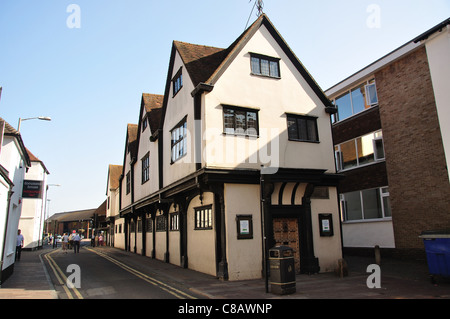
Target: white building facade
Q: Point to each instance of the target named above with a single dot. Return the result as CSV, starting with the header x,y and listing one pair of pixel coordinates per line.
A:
x,y
235,158
14,161
34,206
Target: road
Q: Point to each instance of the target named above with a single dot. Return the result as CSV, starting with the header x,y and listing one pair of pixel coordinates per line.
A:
x,y
95,275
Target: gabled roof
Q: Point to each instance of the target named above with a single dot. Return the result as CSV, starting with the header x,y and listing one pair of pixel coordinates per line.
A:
x,y
11,131
101,210
132,130
33,158
201,61
77,215
114,172
153,106
206,64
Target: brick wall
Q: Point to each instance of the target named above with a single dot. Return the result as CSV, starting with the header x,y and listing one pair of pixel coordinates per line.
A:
x,y
416,167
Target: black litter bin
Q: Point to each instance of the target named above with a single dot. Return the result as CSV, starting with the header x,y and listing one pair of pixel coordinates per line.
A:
x,y
282,270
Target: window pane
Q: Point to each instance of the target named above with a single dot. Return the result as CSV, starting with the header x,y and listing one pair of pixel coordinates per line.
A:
x,y
359,100
344,106
371,203
372,94
312,131
228,119
379,148
365,149
302,129
252,128
338,158
240,122
265,67
387,207
353,206
292,128
255,66
274,69
348,153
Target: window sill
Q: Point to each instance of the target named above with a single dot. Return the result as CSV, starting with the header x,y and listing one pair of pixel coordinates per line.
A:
x,y
361,221
239,134
361,166
355,115
266,76
304,141
179,158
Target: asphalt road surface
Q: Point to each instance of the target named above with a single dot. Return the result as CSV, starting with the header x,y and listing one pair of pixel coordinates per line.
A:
x,y
90,274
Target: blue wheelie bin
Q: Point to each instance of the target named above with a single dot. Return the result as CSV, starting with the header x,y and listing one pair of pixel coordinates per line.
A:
x,y
437,249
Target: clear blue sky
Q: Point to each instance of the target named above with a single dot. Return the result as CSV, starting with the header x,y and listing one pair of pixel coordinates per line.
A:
x,y
89,80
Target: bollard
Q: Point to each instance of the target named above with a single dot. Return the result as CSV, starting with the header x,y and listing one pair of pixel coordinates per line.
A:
x,y
377,255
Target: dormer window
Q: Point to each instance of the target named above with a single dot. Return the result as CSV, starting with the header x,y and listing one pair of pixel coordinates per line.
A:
x,y
177,82
265,66
144,123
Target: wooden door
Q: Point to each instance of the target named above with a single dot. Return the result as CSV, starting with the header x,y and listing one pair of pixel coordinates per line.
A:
x,y
285,232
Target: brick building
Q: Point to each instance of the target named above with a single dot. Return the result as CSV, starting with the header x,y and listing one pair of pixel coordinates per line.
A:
x,y
391,137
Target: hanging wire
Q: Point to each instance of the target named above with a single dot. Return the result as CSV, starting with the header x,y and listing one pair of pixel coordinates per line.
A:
x,y
259,4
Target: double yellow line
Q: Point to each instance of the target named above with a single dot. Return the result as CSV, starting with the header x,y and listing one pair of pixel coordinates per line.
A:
x,y
167,288
61,277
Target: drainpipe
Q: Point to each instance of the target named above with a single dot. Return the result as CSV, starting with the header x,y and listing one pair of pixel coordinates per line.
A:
x,y
10,193
263,230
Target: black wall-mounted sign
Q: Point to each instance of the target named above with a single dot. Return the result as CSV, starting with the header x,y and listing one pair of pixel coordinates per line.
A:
x,y
326,225
32,189
244,224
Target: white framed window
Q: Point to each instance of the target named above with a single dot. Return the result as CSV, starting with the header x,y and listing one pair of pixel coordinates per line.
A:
x,y
360,151
368,204
371,93
355,100
179,141
145,161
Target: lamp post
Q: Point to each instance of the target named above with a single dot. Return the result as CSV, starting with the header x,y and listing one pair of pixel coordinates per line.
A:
x,y
47,205
42,118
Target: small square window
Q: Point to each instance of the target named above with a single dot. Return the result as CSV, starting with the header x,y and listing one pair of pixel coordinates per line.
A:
x,y
265,65
203,218
302,128
240,121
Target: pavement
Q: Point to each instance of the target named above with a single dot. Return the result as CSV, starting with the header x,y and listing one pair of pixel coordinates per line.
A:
x,y
400,279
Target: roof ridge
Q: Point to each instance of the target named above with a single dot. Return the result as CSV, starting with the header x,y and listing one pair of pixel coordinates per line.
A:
x,y
200,45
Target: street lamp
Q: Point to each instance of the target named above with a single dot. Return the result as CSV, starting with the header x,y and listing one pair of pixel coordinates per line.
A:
x,y
42,118
47,204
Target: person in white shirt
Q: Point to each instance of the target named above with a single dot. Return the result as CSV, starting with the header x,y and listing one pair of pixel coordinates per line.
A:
x,y
76,243
19,244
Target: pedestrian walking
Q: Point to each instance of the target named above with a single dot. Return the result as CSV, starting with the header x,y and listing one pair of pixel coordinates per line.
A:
x,y
65,242
19,244
76,243
100,240
71,240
